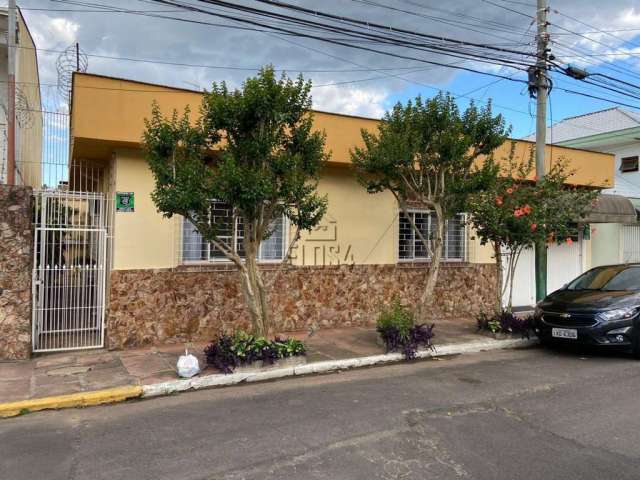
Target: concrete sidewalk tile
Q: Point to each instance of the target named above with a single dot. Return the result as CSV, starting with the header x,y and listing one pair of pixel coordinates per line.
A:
x,y
12,390
15,370
144,365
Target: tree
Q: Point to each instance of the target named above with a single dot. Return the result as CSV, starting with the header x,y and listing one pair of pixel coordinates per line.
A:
x,y
426,153
253,149
513,213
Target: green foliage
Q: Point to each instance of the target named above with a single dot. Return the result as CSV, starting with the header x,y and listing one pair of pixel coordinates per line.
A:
x,y
396,316
253,148
515,212
425,151
231,351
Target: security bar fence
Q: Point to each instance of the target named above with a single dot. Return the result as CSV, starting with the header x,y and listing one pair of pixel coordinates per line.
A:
x,y
72,209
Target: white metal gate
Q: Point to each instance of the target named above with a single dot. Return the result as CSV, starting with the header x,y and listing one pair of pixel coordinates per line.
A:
x,y
564,263
69,270
630,243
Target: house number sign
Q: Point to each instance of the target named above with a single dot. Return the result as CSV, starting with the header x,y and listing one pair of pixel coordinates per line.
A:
x,y
124,202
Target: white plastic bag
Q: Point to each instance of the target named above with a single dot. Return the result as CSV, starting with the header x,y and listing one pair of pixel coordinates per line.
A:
x,y
188,365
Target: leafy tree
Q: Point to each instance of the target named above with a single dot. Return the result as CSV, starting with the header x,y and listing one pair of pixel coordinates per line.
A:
x,y
255,150
513,213
426,153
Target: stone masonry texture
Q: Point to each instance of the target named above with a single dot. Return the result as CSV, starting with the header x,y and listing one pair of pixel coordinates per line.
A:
x,y
148,307
16,257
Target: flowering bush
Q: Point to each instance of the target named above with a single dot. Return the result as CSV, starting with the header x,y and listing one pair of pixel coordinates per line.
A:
x,y
515,213
228,352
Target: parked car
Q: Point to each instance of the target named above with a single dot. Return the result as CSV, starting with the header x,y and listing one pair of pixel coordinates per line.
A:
x,y
600,307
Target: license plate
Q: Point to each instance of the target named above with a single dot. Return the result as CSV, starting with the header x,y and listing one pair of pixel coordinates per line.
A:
x,y
570,333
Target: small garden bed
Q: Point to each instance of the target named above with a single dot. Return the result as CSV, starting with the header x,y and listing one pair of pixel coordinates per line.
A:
x,y
399,332
244,351
505,324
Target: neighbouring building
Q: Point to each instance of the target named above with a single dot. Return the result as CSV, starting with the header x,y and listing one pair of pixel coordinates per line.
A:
x,y
28,106
16,213
615,131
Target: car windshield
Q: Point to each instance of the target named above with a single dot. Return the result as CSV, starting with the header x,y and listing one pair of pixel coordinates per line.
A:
x,y
614,278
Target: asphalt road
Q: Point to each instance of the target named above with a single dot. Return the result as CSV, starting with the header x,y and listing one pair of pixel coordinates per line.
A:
x,y
528,414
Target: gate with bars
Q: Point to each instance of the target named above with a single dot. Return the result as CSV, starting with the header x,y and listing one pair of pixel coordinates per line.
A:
x,y
69,270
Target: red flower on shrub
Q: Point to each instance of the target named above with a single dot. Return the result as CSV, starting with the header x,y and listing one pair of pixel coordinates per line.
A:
x,y
499,200
509,190
518,213
569,241
526,209
534,227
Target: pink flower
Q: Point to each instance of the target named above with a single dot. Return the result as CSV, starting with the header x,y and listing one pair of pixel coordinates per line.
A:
x,y
569,241
509,190
534,227
499,200
527,209
518,213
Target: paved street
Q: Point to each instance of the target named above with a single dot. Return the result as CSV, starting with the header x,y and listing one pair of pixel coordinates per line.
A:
x,y
529,414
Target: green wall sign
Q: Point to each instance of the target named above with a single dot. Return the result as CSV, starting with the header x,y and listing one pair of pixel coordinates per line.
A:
x,y
124,202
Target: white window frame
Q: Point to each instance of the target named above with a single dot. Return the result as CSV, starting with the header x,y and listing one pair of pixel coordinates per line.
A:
x,y
445,245
224,259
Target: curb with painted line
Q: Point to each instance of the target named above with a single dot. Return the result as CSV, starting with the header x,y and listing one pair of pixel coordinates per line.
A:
x,y
222,380
84,399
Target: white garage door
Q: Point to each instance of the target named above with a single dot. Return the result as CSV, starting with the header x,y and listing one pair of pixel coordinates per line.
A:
x,y
564,263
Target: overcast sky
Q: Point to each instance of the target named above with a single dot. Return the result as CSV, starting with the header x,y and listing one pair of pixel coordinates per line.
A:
x,y
55,25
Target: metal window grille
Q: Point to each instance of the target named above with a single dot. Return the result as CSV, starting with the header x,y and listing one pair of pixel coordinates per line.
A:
x,y
411,246
231,232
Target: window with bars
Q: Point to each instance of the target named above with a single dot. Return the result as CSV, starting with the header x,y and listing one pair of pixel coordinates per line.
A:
x,y
629,164
411,247
231,232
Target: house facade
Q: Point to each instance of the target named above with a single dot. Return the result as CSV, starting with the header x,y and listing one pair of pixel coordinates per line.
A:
x,y
164,284
615,131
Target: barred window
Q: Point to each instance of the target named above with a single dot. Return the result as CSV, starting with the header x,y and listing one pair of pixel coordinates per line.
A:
x,y
411,247
231,232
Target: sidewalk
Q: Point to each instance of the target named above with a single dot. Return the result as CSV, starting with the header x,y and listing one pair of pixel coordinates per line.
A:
x,y
75,372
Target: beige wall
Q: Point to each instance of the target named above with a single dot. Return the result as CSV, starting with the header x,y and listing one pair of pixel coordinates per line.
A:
x,y
143,238
359,227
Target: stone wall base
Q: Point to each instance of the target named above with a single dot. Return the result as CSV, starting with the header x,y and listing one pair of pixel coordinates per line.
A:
x,y
16,258
149,307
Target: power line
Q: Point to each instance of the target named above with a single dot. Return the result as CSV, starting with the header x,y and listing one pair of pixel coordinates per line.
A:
x,y
341,43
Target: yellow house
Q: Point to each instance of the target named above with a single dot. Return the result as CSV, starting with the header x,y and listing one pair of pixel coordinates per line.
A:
x,y
165,284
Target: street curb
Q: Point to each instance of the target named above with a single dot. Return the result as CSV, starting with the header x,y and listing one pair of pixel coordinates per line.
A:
x,y
222,380
84,399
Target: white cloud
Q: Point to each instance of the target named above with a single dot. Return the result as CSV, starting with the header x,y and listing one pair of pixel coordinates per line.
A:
x,y
351,101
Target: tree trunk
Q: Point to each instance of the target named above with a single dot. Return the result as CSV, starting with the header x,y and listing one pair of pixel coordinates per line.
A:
x,y
426,299
497,250
254,292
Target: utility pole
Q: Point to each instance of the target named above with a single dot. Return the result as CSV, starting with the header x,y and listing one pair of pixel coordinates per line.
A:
x,y
11,94
541,87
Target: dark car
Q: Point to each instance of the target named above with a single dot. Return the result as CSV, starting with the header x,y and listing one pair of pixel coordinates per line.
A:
x,y
601,307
